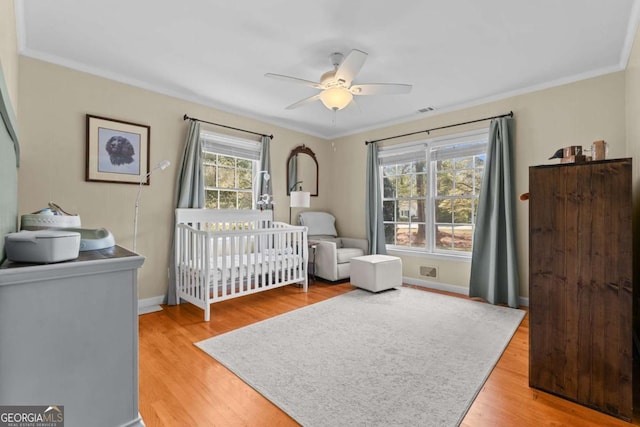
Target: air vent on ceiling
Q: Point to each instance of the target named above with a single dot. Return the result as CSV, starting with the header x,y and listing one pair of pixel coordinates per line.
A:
x,y
426,110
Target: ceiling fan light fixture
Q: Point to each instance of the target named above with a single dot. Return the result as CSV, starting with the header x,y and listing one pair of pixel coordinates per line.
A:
x,y
336,98
336,86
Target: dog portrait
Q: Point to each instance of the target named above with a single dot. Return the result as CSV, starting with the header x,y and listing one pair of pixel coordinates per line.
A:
x,y
117,151
120,150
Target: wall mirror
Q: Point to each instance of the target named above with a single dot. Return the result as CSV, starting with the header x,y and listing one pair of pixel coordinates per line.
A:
x,y
302,168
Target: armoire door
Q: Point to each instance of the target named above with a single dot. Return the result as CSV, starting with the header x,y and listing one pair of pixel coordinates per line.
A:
x,y
580,283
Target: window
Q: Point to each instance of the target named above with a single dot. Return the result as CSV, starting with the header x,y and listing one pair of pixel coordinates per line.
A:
x,y
228,182
230,166
430,193
403,205
458,175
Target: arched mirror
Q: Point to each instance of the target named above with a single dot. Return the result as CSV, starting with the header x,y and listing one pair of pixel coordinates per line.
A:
x,y
302,170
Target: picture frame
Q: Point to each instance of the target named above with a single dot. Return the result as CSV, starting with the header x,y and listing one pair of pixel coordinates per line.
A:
x,y
117,151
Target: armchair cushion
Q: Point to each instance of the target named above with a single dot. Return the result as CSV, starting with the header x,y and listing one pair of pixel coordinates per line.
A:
x,y
336,240
352,242
345,254
318,223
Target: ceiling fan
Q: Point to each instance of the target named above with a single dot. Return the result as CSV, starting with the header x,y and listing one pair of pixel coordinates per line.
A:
x,y
336,86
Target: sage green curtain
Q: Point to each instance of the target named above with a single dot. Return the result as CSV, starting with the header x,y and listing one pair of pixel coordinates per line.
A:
x,y
373,208
189,191
190,182
494,261
264,185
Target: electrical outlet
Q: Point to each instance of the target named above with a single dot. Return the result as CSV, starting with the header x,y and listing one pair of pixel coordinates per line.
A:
x,y
428,271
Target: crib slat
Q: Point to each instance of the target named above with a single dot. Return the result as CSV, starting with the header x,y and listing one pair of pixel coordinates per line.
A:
x,y
236,262
225,267
264,248
204,280
242,271
215,273
251,270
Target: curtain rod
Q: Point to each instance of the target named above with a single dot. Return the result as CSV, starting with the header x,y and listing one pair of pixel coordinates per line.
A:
x,y
225,126
509,114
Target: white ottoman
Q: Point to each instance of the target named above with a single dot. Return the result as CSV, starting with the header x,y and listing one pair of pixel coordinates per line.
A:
x,y
376,273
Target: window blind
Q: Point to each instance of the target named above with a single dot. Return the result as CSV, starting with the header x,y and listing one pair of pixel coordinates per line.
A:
x,y
230,146
401,154
447,147
460,145
459,150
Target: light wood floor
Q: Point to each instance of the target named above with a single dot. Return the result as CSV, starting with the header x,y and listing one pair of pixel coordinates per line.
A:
x,y
182,386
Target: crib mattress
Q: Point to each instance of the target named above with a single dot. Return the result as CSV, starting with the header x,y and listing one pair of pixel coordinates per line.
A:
x,y
247,265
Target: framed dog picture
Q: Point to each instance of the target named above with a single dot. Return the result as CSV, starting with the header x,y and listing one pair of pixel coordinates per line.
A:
x,y
117,151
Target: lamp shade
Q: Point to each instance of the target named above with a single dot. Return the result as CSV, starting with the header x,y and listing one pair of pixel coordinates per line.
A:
x,y
300,199
336,98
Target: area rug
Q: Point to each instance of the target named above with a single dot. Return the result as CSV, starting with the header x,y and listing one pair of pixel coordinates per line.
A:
x,y
403,357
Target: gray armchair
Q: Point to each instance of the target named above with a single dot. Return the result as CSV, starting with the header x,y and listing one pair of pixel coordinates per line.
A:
x,y
332,253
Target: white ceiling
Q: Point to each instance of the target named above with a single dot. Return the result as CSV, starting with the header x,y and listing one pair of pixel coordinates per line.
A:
x,y
216,52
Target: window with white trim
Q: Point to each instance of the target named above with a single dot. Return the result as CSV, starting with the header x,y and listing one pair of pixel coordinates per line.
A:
x,y
230,165
430,193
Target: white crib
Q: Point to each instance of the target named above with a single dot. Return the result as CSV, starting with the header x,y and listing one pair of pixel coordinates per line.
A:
x,y
224,254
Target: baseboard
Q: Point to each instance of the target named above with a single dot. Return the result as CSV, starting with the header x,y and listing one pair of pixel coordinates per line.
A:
x,y
151,305
436,285
523,301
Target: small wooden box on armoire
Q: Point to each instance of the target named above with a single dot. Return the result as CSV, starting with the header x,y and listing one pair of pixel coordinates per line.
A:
x,y
581,295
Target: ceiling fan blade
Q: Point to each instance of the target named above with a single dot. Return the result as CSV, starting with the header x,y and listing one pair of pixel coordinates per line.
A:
x,y
351,66
305,101
380,89
295,80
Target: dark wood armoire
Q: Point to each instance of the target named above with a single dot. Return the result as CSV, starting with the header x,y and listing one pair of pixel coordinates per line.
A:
x,y
581,294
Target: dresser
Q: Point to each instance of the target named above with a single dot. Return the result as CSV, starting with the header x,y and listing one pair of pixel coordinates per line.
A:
x,y
581,294
69,337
